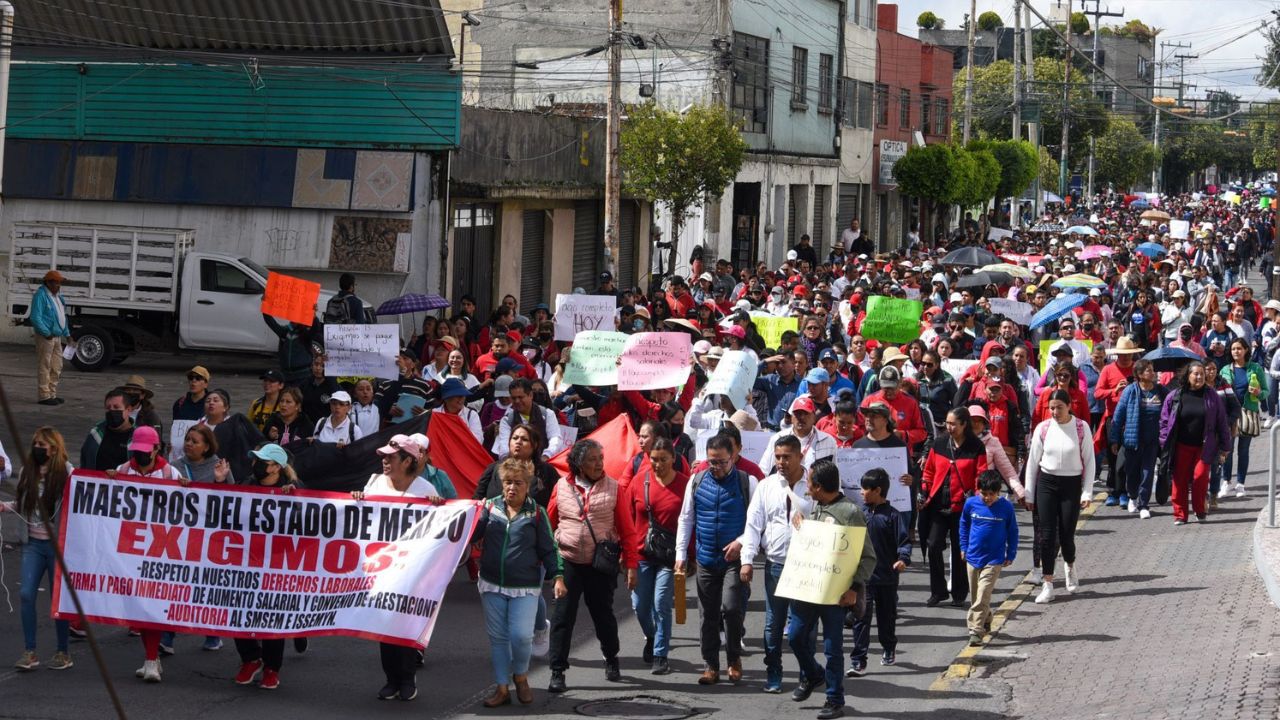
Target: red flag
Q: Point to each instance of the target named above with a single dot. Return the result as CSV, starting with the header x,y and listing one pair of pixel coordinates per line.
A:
x,y
619,442
455,451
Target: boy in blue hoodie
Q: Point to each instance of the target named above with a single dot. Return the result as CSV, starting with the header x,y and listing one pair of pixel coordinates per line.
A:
x,y
887,532
988,543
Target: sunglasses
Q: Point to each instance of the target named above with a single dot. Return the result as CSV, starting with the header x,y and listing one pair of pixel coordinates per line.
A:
x,y
195,377
926,363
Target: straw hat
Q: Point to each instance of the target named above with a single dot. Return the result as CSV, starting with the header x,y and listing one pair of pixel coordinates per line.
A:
x,y
1125,346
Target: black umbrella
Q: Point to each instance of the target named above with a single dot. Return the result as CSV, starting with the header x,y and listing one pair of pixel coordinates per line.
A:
x,y
970,256
1170,359
983,279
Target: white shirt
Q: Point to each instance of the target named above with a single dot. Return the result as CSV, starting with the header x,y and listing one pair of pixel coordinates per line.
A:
x,y
816,446
381,485
368,418
551,425
769,515
1079,353
471,418
1060,453
7,470
346,431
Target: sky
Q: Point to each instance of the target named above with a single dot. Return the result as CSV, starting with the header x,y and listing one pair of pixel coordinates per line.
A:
x,y
1209,26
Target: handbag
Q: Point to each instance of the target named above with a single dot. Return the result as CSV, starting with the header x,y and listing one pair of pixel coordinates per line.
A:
x,y
1250,423
659,542
607,558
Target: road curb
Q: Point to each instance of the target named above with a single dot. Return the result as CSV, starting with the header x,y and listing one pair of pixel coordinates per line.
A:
x,y
966,660
1261,560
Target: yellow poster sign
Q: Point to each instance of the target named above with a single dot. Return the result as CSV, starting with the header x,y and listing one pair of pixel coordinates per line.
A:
x,y
771,327
821,562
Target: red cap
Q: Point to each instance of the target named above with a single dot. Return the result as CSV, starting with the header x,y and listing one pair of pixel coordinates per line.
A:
x,y
514,336
802,402
737,331
800,291
856,299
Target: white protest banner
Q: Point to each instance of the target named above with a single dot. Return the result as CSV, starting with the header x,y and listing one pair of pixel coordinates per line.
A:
x,y
250,562
912,293
568,435
655,360
582,313
996,233
177,436
753,443
956,368
1179,229
734,376
593,359
362,350
1018,312
855,462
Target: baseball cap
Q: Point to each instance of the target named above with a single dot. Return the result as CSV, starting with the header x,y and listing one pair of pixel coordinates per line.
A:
x,y
1062,348
994,361
145,439
401,442
802,402
737,331
341,396
502,387
506,365
423,442
272,452
977,411
792,254
830,354
199,370
817,375
274,375
890,377
702,347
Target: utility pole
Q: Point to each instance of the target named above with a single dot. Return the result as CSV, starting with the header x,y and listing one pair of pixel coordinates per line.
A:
x,y
1097,14
1066,106
1157,175
612,172
968,71
1017,71
1182,72
1033,128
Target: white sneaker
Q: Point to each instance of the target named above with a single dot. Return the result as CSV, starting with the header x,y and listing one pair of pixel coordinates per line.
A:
x,y
1224,491
1072,579
1145,514
1266,422
1046,593
151,671
542,640
1133,506
1240,490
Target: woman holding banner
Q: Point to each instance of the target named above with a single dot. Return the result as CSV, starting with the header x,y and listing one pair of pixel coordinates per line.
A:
x,y
39,503
518,551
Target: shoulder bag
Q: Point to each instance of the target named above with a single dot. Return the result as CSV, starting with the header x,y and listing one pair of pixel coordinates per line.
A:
x,y
659,542
607,558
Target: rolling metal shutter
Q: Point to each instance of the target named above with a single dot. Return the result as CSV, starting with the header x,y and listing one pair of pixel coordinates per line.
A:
x,y
819,235
793,234
588,239
627,222
847,209
531,258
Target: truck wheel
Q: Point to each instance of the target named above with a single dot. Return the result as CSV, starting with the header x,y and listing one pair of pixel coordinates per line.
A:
x,y
94,349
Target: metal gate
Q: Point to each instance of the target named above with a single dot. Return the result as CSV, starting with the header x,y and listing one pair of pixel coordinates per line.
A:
x,y
848,208
627,231
473,239
532,286
819,236
588,240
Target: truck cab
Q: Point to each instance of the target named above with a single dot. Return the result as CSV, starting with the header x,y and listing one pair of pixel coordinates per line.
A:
x,y
221,301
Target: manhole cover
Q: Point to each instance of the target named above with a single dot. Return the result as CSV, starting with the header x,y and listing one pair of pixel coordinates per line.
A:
x,y
641,707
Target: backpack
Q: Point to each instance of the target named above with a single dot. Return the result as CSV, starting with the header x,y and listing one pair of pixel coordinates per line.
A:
x,y
1044,431
351,428
744,484
337,311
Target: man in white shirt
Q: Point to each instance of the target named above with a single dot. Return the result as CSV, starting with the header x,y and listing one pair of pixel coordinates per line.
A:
x,y
814,444
1079,351
521,412
338,428
777,499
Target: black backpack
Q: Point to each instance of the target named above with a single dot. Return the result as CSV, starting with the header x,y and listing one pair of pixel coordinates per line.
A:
x,y
338,311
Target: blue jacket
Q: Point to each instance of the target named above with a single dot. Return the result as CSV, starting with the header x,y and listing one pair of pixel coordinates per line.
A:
x,y
988,535
44,315
719,515
779,394
1126,424
887,533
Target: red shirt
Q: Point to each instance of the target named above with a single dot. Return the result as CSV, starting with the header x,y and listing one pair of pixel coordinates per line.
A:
x,y
906,412
665,503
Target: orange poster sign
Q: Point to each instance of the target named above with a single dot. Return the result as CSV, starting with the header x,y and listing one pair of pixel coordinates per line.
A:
x,y
291,298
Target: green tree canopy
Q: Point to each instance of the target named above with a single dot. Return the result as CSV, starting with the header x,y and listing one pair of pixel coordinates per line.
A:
x,y
1017,161
1124,157
928,21
1048,170
1079,23
1137,30
989,21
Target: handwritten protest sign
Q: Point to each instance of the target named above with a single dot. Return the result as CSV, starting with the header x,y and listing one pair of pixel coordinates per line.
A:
x,y
651,361
594,360
1018,312
291,298
568,435
234,562
362,350
1179,229
957,367
996,233
753,442
771,327
892,319
912,293
1046,345
855,462
583,313
821,561
734,376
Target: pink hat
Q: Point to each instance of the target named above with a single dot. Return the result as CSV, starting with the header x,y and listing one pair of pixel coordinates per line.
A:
x,y
737,331
802,402
144,439
976,411
401,442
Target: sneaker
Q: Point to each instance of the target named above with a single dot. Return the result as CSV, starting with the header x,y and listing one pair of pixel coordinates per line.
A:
x,y
660,667
888,657
1202,517
557,684
47,401
857,668
1266,422
151,671
975,639
408,692
806,688
28,661
270,679
1072,578
1179,522
1133,507
830,710
77,632
612,672
1123,501
60,661
773,681
1145,514
166,649
542,640
1224,491
1046,593
389,692
647,653
58,401
1112,501
1240,490
248,672
212,644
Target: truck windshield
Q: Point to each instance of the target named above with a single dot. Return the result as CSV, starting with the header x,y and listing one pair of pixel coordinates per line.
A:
x,y
255,267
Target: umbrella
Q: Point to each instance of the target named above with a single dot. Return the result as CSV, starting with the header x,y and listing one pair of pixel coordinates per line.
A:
x,y
1170,359
1080,280
1009,269
412,303
983,279
1139,205
1081,230
970,256
1151,249
1056,308
1095,251
1160,215
1048,228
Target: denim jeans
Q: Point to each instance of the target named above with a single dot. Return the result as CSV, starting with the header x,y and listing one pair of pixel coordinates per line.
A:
x,y
653,601
777,611
1140,470
1240,450
804,618
38,559
509,622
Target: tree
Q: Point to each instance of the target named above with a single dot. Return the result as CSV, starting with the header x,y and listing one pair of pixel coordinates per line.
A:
x,y
928,21
680,159
1262,134
1079,23
993,105
1124,156
927,173
1267,74
1048,169
990,21
1221,103
1137,30
1194,146
1017,161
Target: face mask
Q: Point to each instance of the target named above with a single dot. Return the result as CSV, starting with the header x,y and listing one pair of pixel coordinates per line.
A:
x,y
39,455
530,354
260,470
637,324
140,458
114,418
675,430
544,338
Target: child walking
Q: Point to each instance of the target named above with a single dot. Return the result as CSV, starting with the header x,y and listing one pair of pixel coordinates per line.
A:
x,y
988,543
887,533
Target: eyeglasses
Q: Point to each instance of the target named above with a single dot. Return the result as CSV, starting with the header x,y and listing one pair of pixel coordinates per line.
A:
x,y
718,463
926,363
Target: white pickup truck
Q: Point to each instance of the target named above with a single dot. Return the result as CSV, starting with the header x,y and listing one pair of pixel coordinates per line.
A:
x,y
133,288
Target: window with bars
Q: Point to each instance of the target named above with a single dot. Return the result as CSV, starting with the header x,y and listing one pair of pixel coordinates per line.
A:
x,y
941,113
882,105
904,108
826,78
866,104
751,82
799,76
925,114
